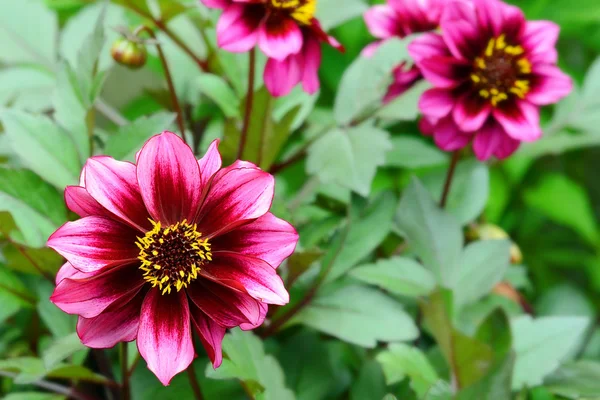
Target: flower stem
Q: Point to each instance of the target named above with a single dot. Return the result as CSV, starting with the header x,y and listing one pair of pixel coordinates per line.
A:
x,y
191,371
172,92
249,103
125,391
449,178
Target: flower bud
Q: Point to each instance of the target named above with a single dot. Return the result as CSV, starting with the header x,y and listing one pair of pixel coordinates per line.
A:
x,y
128,53
491,232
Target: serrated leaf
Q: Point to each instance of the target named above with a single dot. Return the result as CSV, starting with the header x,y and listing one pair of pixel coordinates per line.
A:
x,y
26,88
60,349
406,106
398,275
435,236
575,380
542,344
358,314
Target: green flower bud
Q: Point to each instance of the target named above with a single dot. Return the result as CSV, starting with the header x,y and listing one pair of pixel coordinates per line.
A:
x,y
128,53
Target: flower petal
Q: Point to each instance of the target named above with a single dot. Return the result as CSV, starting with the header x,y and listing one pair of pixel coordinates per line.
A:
x,y
382,21
69,271
210,163
264,308
461,30
211,334
539,38
311,55
226,307
436,103
471,112
112,326
221,4
83,204
238,194
164,336
487,140
520,120
549,85
255,276
426,46
89,297
237,29
114,185
169,178
279,38
92,243
449,137
268,238
281,76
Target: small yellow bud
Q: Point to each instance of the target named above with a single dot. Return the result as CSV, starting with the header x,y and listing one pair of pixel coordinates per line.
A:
x,y
128,53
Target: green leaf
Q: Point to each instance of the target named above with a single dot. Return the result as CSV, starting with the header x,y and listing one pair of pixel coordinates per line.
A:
x,y
349,157
77,372
26,88
406,106
494,386
297,98
370,383
575,380
550,197
483,264
366,81
434,235
215,88
401,360
58,322
542,344
358,314
32,396
410,152
61,349
30,369
13,294
565,300
398,275
44,147
28,32
170,9
128,139
365,233
330,14
37,208
246,360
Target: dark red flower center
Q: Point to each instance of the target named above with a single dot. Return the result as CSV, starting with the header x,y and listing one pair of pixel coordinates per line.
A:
x,y
172,257
303,11
501,71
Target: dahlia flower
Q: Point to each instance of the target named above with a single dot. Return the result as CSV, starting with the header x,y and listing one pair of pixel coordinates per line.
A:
x,y
285,30
400,18
169,244
491,71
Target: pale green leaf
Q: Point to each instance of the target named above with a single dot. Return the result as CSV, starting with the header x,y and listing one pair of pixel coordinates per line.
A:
x,y
215,88
330,14
411,152
60,349
576,380
406,106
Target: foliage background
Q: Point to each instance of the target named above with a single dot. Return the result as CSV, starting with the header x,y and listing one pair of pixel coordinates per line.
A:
x,y
63,97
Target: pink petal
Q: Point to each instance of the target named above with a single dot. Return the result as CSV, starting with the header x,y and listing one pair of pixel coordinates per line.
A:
x,y
281,76
436,103
92,243
279,38
449,137
210,163
114,185
539,38
69,271
238,194
404,79
513,20
253,275
83,204
471,112
89,297
382,21
506,147
169,178
487,140
521,121
264,308
228,308
426,46
549,85
221,4
211,334
444,72
164,336
370,49
462,32
312,60
114,325
268,238
237,29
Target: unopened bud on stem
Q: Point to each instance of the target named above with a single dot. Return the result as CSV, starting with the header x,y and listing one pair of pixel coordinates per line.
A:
x,y
129,53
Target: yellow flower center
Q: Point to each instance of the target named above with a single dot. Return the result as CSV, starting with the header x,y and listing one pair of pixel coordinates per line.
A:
x,y
303,11
501,71
172,257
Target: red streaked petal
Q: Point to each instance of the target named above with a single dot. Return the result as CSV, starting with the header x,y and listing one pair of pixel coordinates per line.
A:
x,y
436,103
211,335
93,243
225,306
114,185
83,204
238,194
237,29
89,297
210,163
169,179
69,271
382,21
281,76
268,238
264,308
164,335
279,38
471,111
112,326
520,120
311,55
256,276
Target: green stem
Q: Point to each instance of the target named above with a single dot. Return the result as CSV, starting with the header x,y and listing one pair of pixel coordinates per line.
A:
x,y
449,178
125,391
191,372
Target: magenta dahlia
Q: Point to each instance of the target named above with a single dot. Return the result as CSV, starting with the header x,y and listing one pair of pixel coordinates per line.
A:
x,y
166,245
491,71
285,30
400,18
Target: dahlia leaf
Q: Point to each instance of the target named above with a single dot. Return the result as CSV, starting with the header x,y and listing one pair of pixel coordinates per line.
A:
x,y
401,360
412,152
330,14
27,88
61,349
33,396
215,88
398,275
370,382
494,386
404,107
542,344
575,380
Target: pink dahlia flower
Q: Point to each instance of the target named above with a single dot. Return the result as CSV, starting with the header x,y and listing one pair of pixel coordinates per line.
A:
x,y
285,30
400,18
491,71
167,246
